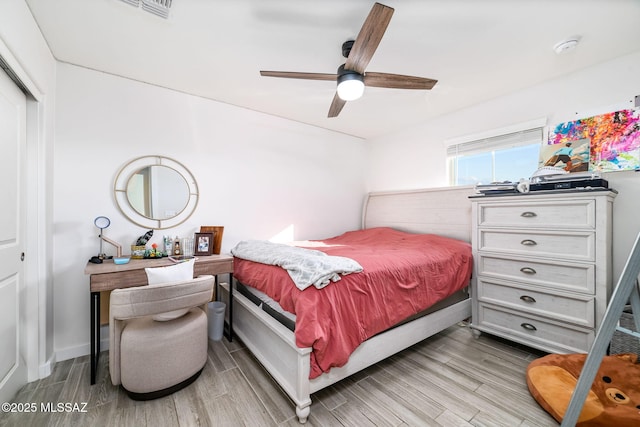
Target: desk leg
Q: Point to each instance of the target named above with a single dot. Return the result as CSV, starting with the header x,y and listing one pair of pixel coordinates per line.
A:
x,y
95,334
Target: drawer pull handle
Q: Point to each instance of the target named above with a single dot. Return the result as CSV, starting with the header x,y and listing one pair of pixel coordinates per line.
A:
x,y
528,270
528,242
528,214
527,298
528,326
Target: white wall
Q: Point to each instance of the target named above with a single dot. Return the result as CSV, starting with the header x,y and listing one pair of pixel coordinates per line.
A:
x,y
27,53
257,175
416,158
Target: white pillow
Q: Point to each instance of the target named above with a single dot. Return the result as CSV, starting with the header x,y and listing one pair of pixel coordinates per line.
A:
x,y
174,273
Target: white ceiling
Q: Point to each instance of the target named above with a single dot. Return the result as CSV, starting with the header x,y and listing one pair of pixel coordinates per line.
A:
x,y
477,50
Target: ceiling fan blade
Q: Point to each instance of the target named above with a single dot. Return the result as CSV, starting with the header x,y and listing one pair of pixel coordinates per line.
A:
x,y
397,81
295,75
336,106
368,38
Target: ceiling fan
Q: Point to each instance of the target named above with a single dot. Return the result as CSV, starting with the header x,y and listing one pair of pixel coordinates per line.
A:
x,y
351,76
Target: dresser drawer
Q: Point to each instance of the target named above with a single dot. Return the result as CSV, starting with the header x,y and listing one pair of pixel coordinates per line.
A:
x,y
548,335
563,214
565,307
576,245
576,277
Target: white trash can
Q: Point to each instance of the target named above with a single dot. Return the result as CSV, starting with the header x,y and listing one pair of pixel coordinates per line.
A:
x,y
216,319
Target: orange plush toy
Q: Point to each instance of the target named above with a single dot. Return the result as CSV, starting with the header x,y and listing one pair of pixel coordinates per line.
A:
x,y
614,398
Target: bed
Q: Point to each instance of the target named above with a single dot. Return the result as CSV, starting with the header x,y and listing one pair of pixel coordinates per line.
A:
x,y
302,370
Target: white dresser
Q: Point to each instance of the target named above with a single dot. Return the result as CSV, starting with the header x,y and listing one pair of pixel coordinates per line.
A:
x,y
542,273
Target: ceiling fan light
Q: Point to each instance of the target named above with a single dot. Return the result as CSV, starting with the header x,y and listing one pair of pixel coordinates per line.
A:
x,y
350,86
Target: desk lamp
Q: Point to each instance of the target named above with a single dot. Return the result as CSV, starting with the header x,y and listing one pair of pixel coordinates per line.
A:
x,y
103,222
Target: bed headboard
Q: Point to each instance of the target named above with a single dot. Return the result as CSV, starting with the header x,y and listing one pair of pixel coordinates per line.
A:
x,y
445,211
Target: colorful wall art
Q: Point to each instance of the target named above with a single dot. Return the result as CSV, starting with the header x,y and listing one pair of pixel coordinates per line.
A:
x,y
614,139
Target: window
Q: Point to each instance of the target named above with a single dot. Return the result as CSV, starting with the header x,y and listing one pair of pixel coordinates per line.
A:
x,y
500,158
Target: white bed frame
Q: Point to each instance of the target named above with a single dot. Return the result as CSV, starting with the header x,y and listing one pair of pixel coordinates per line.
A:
x,y
444,211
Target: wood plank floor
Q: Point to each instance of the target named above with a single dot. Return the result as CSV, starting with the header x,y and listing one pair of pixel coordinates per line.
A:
x,y
451,379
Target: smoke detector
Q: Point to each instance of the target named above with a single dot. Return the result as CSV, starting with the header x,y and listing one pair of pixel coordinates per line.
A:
x,y
566,45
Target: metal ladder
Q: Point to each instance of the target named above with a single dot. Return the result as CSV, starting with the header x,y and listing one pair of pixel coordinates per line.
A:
x,y
626,290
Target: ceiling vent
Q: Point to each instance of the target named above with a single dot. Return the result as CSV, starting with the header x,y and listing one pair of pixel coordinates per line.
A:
x,y
157,7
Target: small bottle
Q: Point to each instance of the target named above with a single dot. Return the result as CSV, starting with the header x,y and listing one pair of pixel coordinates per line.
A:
x,y
168,245
176,246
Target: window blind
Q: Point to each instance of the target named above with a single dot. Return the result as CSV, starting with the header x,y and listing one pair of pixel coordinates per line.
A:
x,y
510,140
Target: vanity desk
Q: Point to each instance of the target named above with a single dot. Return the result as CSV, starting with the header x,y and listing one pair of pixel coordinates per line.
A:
x,y
109,276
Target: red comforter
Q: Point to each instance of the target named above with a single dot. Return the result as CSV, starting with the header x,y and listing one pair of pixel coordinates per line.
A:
x,y
403,275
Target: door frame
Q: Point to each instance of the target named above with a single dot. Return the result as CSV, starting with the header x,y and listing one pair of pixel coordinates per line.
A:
x,y
36,306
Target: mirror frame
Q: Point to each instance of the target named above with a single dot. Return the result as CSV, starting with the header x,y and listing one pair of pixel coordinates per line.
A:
x,y
129,169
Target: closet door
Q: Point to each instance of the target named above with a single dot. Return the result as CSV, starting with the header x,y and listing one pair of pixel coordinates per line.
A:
x,y
13,373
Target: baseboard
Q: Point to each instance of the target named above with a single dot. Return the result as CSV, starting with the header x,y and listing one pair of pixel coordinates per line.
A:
x,y
46,368
84,349
73,352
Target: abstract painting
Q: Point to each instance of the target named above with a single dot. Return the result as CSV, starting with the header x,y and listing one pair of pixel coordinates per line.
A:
x,y
614,139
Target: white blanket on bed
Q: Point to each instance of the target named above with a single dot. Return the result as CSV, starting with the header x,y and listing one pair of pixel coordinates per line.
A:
x,y
305,266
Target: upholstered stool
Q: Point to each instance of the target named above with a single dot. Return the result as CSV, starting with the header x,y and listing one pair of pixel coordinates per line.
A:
x,y
158,358
156,349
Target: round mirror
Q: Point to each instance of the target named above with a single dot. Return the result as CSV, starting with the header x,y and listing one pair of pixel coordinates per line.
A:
x,y
156,192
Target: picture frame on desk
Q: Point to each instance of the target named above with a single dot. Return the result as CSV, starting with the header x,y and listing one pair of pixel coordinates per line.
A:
x,y
204,244
217,231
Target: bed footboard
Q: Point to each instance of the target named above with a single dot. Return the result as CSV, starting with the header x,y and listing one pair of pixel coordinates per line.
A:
x,y
274,346
392,341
